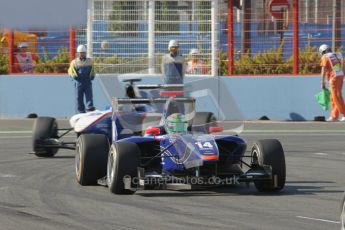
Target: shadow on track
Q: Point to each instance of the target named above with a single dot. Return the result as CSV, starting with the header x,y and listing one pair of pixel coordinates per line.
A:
x,y
291,188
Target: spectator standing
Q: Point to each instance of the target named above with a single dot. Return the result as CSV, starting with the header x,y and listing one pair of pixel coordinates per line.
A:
x,y
195,65
24,60
82,71
332,67
173,64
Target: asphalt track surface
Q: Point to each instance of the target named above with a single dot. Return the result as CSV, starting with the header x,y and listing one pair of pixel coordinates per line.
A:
x,y
37,193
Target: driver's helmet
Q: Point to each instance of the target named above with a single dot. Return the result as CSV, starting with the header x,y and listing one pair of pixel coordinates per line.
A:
x,y
176,123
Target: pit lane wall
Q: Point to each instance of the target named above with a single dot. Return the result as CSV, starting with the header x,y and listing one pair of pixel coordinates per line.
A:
x,y
239,98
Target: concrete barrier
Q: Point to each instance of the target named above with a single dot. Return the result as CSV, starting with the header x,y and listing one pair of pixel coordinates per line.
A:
x,y
240,97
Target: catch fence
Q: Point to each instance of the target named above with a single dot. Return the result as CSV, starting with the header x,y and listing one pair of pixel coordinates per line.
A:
x,y
233,37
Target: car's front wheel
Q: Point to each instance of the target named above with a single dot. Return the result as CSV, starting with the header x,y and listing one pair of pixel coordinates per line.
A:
x,y
91,158
270,152
123,162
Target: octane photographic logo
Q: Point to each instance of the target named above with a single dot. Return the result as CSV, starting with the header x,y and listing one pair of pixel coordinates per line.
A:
x,y
192,180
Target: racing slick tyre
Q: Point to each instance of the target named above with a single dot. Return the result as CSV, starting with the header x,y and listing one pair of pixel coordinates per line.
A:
x,y
91,158
270,152
123,161
342,215
203,120
44,128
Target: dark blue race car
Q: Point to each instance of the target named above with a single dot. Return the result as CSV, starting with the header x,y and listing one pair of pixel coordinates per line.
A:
x,y
177,153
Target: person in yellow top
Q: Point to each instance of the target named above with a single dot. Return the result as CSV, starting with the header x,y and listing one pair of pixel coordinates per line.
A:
x,y
195,65
332,67
82,71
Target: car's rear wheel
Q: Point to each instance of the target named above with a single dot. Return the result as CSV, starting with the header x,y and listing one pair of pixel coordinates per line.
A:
x,y
342,215
123,162
91,158
44,128
270,152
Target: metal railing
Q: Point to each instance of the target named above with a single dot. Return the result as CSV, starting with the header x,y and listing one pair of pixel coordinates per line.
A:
x,y
233,38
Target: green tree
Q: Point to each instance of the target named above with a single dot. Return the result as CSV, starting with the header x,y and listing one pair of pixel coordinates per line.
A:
x,y
167,15
3,64
57,64
124,17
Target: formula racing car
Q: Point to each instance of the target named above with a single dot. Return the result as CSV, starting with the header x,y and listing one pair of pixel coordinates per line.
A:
x,y
177,153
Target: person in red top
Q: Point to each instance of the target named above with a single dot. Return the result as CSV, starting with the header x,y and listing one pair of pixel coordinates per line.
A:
x,y
24,60
332,67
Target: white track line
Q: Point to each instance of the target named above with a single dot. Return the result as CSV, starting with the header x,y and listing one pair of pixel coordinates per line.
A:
x,y
321,154
16,132
291,134
15,137
292,131
317,219
7,175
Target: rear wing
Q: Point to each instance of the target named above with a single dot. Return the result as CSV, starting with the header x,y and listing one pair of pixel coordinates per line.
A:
x,y
132,90
116,102
160,86
129,112
152,86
